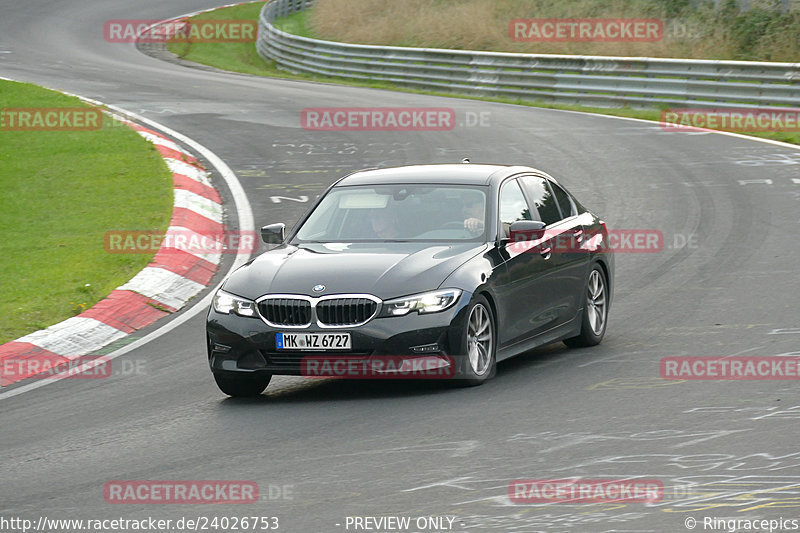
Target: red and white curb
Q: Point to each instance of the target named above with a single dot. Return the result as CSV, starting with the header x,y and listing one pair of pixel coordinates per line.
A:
x,y
164,286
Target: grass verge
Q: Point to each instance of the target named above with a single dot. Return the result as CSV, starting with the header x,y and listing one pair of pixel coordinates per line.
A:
x,y
62,191
237,57
687,28
242,57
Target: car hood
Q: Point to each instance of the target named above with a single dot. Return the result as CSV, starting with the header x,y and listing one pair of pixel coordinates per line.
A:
x,y
384,270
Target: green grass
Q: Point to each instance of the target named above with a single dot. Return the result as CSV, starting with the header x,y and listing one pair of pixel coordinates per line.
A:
x,y
297,24
242,57
238,57
61,192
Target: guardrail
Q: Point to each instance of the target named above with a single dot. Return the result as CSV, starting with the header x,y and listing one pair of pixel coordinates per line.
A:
x,y
586,80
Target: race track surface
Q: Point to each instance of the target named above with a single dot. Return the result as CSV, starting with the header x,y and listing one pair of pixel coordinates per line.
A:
x,y
343,448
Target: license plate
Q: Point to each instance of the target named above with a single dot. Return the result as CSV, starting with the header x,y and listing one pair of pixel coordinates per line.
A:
x,y
313,341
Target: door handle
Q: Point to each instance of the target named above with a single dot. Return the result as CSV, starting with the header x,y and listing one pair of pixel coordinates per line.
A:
x,y
546,253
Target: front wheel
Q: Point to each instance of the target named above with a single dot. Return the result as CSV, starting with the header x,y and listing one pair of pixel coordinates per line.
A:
x,y
479,344
244,386
595,312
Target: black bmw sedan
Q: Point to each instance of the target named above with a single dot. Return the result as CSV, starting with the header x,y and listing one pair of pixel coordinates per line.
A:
x,y
425,271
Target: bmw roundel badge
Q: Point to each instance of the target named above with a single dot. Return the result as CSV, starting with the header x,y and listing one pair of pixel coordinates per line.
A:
x,y
319,288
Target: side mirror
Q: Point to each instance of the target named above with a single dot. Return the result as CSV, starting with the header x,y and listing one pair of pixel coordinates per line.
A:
x,y
274,233
526,230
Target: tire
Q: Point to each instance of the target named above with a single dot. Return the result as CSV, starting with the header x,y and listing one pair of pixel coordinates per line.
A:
x,y
478,361
595,311
244,386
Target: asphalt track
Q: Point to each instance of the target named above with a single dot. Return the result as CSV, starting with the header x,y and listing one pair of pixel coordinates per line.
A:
x,y
721,448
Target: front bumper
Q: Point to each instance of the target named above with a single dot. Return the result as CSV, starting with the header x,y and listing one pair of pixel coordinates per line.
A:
x,y
246,345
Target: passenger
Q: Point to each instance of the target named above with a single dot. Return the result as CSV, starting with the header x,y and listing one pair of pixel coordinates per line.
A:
x,y
385,223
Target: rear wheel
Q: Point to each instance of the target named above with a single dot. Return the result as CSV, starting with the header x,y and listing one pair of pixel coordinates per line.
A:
x,y
246,385
595,311
479,344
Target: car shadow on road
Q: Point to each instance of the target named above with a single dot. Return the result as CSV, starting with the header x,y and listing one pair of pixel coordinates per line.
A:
x,y
292,390
527,362
298,390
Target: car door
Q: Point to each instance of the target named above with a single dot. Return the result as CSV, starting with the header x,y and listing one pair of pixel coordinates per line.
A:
x,y
521,290
567,264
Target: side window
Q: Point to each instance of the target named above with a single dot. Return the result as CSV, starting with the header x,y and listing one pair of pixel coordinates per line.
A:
x,y
564,201
513,206
542,198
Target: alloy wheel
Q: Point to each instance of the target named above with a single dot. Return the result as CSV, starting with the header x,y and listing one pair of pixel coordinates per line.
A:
x,y
480,339
596,302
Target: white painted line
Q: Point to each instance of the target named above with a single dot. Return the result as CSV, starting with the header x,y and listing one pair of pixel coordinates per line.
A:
x,y
84,98
115,116
728,133
785,331
743,351
199,204
164,286
74,337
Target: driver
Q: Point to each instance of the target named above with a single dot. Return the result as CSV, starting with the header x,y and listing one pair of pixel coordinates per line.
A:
x,y
472,208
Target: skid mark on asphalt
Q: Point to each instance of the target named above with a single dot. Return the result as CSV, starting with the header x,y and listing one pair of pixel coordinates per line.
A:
x,y
455,449
635,383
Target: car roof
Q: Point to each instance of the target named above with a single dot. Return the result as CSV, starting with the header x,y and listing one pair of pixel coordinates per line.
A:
x,y
464,174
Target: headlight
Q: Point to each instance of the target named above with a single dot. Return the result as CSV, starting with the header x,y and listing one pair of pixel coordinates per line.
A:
x,y
427,302
226,303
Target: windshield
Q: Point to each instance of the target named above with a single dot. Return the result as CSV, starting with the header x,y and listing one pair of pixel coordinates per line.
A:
x,y
398,213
